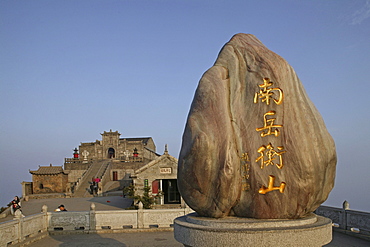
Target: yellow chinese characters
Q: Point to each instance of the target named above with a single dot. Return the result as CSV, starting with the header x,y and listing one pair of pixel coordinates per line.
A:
x,y
245,157
245,172
269,128
268,154
266,93
271,156
263,190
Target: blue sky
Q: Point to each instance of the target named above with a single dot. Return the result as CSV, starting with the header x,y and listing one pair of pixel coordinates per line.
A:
x,y
70,70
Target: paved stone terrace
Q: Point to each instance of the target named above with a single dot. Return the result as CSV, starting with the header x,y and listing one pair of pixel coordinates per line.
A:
x,y
155,238
33,206
150,237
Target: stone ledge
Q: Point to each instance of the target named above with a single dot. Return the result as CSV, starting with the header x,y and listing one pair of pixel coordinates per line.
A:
x,y
76,232
48,196
249,223
191,230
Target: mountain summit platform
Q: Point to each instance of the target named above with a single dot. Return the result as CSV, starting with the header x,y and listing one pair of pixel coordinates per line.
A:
x,y
130,237
155,238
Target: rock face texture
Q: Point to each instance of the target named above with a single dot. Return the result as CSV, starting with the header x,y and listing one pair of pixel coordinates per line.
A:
x,y
254,144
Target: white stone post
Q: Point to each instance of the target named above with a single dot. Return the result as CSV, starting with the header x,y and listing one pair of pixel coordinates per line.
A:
x,y
44,210
92,223
18,217
140,216
23,189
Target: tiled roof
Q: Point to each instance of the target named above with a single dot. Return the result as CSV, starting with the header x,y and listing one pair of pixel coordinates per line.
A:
x,y
143,139
48,170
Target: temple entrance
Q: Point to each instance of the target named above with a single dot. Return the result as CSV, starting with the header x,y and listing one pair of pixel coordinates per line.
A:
x,y
111,153
171,193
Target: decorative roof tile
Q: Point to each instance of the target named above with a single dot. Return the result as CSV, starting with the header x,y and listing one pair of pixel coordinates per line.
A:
x,y
48,170
142,139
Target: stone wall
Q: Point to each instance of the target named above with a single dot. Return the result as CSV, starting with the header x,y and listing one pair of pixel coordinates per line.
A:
x,y
75,166
49,183
26,189
123,168
74,175
120,174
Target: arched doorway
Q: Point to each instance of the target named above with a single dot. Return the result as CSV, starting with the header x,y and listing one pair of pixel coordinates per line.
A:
x,y
111,153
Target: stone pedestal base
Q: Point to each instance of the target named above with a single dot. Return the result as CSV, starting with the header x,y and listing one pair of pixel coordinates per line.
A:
x,y
195,231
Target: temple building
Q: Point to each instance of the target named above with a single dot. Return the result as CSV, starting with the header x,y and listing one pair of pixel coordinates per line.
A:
x,y
118,149
49,179
161,175
117,162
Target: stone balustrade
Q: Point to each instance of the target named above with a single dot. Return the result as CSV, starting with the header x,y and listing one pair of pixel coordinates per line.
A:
x,y
77,161
23,228
72,160
131,159
36,226
346,219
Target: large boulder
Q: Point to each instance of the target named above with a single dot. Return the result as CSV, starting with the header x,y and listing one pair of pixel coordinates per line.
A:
x,y
254,144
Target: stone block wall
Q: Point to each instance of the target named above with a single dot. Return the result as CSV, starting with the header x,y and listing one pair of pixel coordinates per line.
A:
x,y
74,175
49,183
26,189
76,166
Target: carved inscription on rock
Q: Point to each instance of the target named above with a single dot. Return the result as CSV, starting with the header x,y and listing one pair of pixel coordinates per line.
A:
x,y
254,144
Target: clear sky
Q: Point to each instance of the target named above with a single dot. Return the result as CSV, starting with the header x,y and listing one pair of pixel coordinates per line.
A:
x,y
70,70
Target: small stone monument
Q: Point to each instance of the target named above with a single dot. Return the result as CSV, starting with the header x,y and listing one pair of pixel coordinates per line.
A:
x,y
85,153
256,157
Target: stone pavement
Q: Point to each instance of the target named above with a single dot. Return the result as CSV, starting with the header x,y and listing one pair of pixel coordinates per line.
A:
x,y
33,206
154,238
140,239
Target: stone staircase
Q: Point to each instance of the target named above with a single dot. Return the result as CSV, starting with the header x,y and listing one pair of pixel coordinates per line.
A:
x,y
96,170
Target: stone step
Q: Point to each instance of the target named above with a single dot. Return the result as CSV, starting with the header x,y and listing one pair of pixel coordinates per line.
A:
x,y
96,169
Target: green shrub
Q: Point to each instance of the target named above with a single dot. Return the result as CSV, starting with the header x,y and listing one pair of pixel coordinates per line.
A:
x,y
146,199
2,209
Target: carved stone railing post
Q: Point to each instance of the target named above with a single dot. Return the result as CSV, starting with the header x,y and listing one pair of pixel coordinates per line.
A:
x,y
140,216
18,217
44,210
344,215
92,222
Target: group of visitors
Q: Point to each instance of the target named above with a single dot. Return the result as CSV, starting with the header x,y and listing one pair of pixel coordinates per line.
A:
x,y
94,186
15,207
